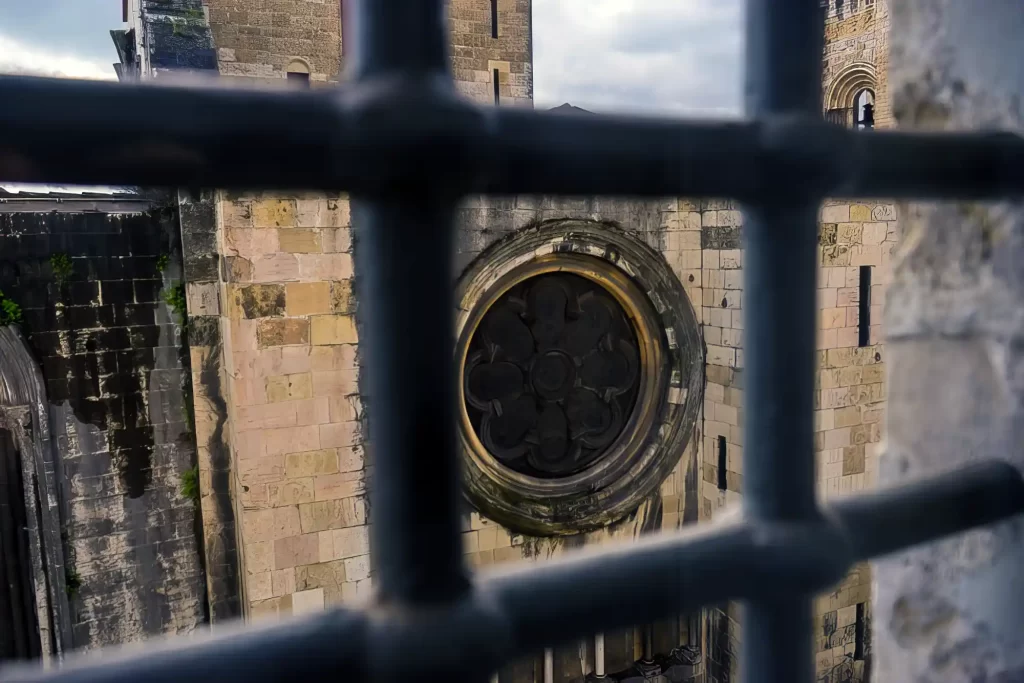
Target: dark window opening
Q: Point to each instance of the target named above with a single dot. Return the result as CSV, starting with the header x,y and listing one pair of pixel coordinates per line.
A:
x,y
864,109
497,87
858,643
298,78
494,18
864,305
722,461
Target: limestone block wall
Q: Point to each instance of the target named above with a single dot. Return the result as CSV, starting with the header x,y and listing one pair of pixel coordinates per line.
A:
x,y
290,356
263,38
477,53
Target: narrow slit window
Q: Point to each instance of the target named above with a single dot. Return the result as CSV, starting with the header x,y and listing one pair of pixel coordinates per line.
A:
x,y
864,305
497,86
722,461
494,18
858,643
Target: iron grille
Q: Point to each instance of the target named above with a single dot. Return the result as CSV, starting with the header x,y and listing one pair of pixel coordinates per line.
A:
x,y
407,148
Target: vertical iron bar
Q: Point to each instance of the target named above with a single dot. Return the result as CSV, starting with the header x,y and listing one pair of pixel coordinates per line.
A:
x,y
783,76
404,255
398,36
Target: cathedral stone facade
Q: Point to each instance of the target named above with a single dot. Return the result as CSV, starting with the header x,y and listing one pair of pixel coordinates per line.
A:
x,y
599,347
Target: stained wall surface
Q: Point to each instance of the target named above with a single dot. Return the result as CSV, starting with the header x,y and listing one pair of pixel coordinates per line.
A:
x,y
91,286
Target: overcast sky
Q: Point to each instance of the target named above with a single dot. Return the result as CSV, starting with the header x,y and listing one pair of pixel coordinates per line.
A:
x,y
657,56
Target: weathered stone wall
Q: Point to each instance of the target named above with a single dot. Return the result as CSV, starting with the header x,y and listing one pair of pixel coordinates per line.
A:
x,y
476,53
261,38
112,357
951,611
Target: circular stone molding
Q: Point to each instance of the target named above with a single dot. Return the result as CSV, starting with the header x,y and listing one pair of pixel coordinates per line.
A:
x,y
581,374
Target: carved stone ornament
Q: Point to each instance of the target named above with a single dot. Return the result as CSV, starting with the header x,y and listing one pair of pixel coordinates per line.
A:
x,y
581,375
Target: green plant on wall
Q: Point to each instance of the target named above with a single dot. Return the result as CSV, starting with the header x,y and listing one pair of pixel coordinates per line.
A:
x,y
162,261
190,484
10,312
62,268
174,297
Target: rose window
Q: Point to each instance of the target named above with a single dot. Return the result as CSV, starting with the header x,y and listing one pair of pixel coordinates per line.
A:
x,y
552,375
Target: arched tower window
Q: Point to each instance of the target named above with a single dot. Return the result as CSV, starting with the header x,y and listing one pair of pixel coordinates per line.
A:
x,y
298,73
864,109
850,97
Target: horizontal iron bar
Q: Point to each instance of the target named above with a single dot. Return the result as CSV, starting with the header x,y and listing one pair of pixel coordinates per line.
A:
x,y
606,589
296,650
387,135
536,606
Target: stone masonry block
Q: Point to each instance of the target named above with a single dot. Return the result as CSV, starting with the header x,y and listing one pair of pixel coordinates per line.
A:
x,y
296,550
254,301
281,267
328,330
351,542
316,267
282,332
860,213
202,298
308,298
300,240
340,485
291,440
343,299
311,463
853,460
342,435
289,387
273,213
270,525
307,602
290,492
849,233
837,213
332,514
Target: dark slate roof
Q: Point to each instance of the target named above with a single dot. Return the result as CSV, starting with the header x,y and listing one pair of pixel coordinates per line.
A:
x,y
569,109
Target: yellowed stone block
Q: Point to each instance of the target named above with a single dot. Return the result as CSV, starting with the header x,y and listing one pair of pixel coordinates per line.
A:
x,y
860,213
283,581
258,586
273,213
282,332
307,298
300,240
311,463
327,330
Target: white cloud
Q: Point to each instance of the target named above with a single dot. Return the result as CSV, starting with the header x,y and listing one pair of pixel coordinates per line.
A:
x,y
656,56
20,58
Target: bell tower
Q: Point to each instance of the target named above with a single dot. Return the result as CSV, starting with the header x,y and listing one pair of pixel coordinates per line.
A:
x,y
492,50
